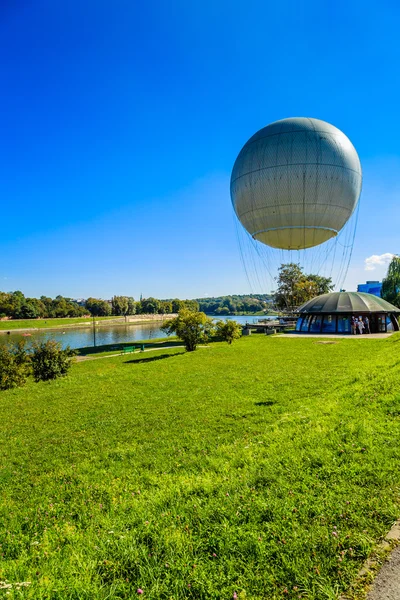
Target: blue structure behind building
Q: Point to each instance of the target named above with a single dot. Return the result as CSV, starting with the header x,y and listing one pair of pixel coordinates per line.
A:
x,y
370,287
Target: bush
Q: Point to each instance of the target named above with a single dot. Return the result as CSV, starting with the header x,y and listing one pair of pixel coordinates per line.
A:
x,y
50,361
191,327
228,330
14,366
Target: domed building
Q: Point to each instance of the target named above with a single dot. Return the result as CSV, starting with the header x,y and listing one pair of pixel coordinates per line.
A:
x,y
333,313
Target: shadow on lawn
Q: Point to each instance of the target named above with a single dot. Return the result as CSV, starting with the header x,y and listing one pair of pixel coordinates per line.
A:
x,y
152,358
119,347
267,403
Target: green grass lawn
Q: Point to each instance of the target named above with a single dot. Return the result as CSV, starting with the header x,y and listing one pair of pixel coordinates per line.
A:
x,y
47,323
269,469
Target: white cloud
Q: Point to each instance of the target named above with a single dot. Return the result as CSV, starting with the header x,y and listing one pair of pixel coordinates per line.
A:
x,y
377,260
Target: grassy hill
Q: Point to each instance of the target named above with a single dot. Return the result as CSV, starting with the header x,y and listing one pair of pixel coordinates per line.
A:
x,y
268,469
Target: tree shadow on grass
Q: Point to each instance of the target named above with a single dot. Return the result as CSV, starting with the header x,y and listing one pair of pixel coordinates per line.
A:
x,y
267,403
152,358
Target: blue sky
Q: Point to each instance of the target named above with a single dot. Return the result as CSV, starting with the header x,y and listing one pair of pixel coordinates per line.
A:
x,y
120,123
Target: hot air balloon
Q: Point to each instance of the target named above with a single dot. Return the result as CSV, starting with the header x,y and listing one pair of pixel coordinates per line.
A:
x,y
295,184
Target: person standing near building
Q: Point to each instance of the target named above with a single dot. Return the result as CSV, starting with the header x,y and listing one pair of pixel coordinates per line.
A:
x,y
366,325
360,325
353,325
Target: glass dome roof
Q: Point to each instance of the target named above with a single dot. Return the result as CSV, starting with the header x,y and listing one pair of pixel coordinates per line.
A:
x,y
347,302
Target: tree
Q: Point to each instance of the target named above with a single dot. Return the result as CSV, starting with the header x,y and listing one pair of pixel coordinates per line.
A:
x,y
323,285
120,305
295,287
177,305
165,307
50,361
131,306
192,305
98,307
193,328
150,306
391,283
222,310
14,366
228,330
28,311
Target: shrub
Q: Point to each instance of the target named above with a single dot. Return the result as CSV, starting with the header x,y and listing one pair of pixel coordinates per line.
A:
x,y
191,327
50,361
228,330
14,366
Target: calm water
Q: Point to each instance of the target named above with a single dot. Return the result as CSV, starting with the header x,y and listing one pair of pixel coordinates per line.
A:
x,y
105,334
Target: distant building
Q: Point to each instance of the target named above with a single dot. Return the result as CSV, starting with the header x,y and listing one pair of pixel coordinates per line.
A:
x,y
80,301
370,287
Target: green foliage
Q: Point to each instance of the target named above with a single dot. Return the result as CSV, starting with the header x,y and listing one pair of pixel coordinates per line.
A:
x,y
50,361
14,366
16,306
149,306
266,469
230,305
165,307
193,328
228,330
120,305
391,283
98,307
295,287
132,306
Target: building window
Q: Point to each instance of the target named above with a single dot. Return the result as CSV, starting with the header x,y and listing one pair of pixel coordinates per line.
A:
x,y
316,322
343,324
305,323
381,323
329,324
298,324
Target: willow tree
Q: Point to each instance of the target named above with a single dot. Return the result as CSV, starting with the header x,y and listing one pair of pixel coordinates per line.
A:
x,y
391,283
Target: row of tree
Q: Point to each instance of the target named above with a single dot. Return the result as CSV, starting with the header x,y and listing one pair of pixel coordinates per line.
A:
x,y
126,305
16,306
232,305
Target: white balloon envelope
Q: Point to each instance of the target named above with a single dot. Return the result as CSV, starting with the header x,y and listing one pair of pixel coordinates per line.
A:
x,y
296,183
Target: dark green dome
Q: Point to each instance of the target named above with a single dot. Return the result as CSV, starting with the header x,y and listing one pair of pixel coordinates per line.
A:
x,y
347,302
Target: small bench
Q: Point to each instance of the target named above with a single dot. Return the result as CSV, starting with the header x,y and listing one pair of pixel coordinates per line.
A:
x,y
127,349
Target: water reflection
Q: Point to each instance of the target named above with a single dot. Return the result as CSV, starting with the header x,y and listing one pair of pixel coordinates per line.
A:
x,y
83,337
105,334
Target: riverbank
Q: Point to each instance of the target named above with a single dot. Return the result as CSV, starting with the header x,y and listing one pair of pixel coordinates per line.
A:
x,y
20,326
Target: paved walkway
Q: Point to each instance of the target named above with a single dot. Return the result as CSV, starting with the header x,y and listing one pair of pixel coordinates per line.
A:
x,y
387,583
368,336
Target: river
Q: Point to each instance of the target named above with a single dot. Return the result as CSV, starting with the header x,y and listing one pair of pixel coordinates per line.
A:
x,y
82,337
